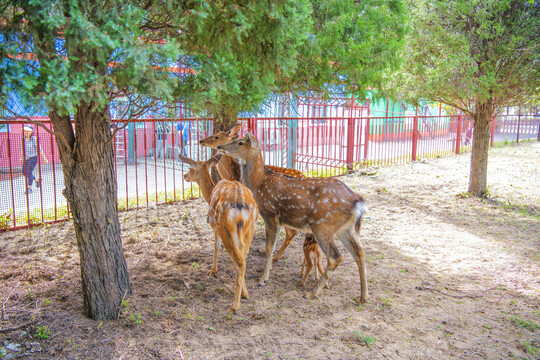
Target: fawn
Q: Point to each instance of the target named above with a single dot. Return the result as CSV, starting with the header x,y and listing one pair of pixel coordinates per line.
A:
x,y
311,246
229,169
232,215
322,206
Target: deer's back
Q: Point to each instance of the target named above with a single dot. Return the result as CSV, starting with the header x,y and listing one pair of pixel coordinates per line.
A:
x,y
301,202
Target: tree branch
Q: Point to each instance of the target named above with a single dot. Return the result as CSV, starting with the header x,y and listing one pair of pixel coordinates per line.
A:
x,y
466,110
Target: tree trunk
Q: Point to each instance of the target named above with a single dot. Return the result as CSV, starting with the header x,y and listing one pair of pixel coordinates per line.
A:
x,y
224,119
90,188
480,147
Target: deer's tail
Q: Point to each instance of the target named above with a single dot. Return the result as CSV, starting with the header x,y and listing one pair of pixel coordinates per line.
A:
x,y
359,210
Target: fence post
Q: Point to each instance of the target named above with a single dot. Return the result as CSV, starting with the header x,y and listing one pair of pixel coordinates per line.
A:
x,y
251,125
519,123
350,142
292,134
492,139
366,139
131,143
458,134
415,135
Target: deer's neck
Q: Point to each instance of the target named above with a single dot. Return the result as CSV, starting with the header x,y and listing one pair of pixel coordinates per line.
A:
x,y
206,185
253,172
228,168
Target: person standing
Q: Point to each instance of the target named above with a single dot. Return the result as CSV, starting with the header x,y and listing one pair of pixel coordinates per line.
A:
x,y
468,134
29,153
162,129
182,129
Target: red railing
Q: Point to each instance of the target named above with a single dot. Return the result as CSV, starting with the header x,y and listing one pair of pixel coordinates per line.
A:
x,y
149,173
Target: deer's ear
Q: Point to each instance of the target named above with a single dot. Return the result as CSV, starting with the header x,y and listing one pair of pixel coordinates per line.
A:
x,y
192,163
234,131
252,140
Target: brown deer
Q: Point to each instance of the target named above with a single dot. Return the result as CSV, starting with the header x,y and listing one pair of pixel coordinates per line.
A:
x,y
322,206
232,215
229,169
311,246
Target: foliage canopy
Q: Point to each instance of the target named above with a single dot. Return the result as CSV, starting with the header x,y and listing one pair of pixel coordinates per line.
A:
x,y
63,53
352,46
464,52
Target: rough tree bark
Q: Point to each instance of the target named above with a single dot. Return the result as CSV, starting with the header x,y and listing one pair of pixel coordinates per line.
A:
x,y
224,119
87,158
480,148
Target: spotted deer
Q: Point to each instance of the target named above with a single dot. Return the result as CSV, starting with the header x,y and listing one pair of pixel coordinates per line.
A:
x,y
322,206
232,215
311,246
229,169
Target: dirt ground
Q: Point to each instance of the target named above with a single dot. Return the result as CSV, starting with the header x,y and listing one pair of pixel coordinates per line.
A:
x,y
450,276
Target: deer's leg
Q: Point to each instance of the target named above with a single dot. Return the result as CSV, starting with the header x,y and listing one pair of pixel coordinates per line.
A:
x,y
307,260
327,245
240,286
303,266
349,240
247,238
239,262
272,228
318,262
289,234
217,245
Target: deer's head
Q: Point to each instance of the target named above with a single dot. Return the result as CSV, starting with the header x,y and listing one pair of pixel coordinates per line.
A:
x,y
220,138
197,169
246,148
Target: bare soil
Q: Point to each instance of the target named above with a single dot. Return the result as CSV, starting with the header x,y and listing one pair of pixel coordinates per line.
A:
x,y
450,276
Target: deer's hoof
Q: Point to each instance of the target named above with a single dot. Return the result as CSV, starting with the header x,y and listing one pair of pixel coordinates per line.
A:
x,y
232,310
212,273
309,296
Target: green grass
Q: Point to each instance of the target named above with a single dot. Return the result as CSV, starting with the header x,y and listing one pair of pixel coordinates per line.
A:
x,y
363,338
507,142
42,332
526,324
530,349
327,172
62,213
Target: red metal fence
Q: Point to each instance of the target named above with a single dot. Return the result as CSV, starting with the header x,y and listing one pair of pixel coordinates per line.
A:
x,y
148,170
